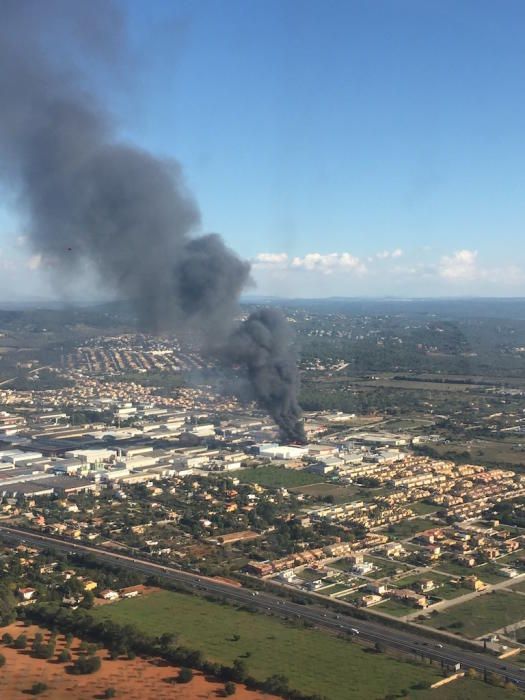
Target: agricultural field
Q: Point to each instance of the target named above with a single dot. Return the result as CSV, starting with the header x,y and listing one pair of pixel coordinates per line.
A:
x,y
509,451
481,615
276,477
313,661
136,679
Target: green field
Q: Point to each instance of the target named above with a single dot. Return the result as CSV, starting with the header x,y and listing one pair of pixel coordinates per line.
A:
x,y
408,528
309,574
448,591
489,573
395,608
489,452
510,558
444,588
313,661
386,568
421,508
481,615
340,494
275,477
468,690
407,581
383,568
519,586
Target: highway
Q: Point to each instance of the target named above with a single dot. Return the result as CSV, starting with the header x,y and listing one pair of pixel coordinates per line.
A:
x,y
371,631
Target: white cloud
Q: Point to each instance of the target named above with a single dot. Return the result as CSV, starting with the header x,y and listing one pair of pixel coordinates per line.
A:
x,y
386,254
391,271
329,263
460,266
271,260
311,262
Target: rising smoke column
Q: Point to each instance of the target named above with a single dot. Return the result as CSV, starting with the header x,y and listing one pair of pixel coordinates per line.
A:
x,y
264,345
93,201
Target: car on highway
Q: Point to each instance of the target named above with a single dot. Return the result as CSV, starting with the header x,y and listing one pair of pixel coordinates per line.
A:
x,y
354,630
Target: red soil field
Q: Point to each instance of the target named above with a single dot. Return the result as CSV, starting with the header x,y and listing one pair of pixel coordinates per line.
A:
x,y
139,679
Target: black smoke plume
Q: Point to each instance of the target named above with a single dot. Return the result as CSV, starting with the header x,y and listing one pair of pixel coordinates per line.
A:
x,y
264,345
92,200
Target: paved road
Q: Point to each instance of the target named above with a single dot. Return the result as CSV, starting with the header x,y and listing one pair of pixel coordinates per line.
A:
x,y
371,631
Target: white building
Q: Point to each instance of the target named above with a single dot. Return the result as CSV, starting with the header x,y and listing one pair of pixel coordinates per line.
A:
x,y
274,451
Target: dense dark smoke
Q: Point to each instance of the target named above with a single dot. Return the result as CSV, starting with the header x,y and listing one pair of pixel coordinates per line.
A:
x,y
263,344
91,200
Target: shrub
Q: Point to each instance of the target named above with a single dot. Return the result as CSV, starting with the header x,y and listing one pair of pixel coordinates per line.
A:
x,y
86,664
64,656
229,688
20,642
185,675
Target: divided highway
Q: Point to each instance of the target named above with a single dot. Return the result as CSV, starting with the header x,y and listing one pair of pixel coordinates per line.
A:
x,y
403,640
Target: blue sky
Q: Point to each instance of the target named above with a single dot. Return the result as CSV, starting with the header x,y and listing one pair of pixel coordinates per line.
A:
x,y
346,147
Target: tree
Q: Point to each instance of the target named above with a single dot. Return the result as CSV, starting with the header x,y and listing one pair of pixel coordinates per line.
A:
x,y
88,600
229,688
7,605
7,638
185,675
239,670
277,685
20,642
86,664
110,693
167,639
64,656
2,660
